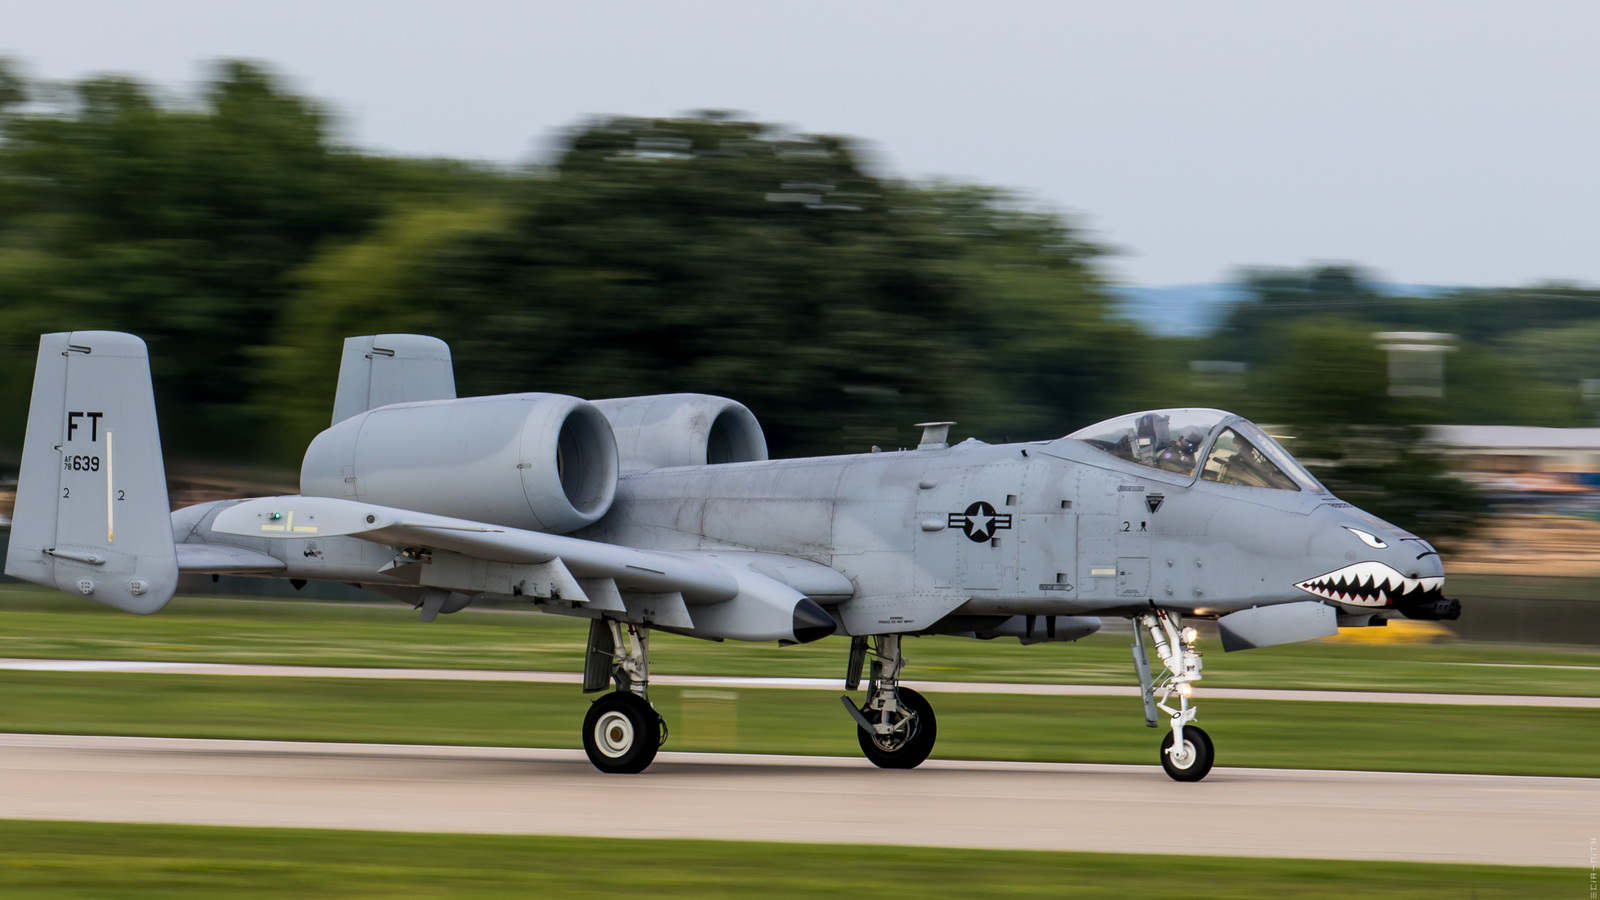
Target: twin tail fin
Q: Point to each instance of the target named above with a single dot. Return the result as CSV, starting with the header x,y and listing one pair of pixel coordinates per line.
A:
x,y
92,515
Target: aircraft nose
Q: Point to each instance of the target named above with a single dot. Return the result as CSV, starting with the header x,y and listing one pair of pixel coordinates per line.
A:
x,y
1368,564
1425,560
1380,566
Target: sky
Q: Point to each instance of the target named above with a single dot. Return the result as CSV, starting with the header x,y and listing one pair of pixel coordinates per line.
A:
x,y
1449,143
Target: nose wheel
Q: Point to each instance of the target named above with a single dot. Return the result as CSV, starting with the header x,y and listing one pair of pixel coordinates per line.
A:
x,y
1193,760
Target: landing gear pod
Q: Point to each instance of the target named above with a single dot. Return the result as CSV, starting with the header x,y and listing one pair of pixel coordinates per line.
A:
x,y
541,462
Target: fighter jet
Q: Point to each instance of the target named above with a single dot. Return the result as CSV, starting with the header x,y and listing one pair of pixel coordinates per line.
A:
x,y
664,513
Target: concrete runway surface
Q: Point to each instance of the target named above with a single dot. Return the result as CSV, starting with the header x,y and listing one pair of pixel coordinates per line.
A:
x,y
831,684
1044,806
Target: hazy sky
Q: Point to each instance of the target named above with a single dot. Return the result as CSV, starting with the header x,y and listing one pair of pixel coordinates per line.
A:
x,y
1436,142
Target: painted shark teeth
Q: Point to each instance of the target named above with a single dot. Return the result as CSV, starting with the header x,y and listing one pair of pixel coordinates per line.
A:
x,y
1371,584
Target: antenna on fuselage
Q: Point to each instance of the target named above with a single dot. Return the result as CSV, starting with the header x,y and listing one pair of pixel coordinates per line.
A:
x,y
935,435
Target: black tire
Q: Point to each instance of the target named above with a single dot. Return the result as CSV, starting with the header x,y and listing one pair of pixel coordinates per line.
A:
x,y
911,752
1204,754
621,733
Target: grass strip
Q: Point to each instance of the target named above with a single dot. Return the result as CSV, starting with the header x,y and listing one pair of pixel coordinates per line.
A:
x,y
127,862
45,624
1398,737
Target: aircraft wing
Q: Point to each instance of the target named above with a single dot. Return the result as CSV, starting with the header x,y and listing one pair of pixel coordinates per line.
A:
x,y
701,577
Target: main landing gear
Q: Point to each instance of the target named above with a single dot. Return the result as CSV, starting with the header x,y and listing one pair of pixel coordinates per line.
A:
x,y
896,725
622,731
1186,752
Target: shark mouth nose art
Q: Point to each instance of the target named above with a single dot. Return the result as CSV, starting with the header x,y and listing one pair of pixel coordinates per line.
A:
x,y
1373,584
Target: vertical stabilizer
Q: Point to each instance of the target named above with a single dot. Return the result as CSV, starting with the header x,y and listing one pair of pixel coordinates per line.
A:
x,y
92,515
380,369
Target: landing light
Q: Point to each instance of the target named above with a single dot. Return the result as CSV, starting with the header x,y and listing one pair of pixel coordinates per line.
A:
x,y
1189,635
1185,689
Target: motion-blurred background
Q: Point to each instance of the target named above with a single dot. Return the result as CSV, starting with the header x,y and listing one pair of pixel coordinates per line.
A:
x,y
241,228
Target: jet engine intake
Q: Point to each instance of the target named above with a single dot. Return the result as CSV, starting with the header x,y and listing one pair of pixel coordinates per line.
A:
x,y
665,430
540,462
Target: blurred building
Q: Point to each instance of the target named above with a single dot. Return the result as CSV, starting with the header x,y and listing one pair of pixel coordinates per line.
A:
x,y
1557,467
1416,361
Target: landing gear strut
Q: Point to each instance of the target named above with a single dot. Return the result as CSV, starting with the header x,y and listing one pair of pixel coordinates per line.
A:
x,y
622,731
895,726
1186,752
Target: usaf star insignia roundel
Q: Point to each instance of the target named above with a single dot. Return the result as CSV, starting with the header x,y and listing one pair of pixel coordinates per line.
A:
x,y
980,521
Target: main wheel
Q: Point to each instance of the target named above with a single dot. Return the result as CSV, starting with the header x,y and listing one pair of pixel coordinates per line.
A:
x,y
621,733
903,751
1195,761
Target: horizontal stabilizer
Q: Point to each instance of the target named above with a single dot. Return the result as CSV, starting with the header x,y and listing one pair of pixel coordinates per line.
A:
x,y
221,559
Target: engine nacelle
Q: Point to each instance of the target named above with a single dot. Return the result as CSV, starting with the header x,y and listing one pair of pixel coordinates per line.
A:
x,y
541,462
682,430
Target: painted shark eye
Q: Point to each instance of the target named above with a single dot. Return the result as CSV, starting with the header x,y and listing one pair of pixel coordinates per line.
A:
x,y
1370,540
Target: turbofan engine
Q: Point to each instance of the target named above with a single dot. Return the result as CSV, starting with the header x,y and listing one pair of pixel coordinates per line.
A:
x,y
665,430
541,462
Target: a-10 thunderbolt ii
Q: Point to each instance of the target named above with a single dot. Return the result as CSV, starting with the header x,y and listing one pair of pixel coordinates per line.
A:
x,y
665,513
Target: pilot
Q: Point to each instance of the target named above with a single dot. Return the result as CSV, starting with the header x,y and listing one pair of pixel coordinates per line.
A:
x,y
1179,456
1190,438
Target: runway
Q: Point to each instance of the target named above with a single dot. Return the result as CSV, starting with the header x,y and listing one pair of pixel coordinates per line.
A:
x,y
831,684
1045,806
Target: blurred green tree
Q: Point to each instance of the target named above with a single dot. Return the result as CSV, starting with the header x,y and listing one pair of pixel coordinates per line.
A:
x,y
1495,375
377,284
181,224
1327,386
13,87
1563,357
1050,353
731,257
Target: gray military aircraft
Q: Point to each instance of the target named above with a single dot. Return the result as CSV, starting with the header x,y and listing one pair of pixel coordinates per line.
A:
x,y
665,513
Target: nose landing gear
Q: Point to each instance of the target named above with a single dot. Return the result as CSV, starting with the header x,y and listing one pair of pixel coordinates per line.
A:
x,y
1187,752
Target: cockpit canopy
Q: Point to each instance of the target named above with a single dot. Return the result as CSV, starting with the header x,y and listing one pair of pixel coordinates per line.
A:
x,y
1220,446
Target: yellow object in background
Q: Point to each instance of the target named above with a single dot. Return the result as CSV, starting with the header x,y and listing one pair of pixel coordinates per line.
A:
x,y
1398,631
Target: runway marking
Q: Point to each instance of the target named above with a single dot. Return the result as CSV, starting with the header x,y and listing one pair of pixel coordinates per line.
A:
x,y
1520,666
815,684
1326,814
